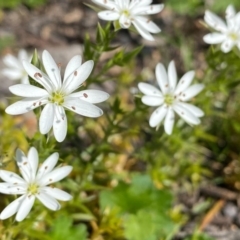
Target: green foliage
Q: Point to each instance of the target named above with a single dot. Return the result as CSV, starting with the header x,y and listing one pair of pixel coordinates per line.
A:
x,y
16,3
63,229
143,208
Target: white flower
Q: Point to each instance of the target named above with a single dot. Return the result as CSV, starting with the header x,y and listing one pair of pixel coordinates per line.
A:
x,y
33,184
57,94
228,34
172,97
15,70
129,12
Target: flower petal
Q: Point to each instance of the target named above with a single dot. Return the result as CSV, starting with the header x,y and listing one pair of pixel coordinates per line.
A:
x,y
227,45
169,121
60,124
91,96
25,207
55,176
185,114
124,21
78,77
11,188
109,15
12,208
162,78
184,82
191,92
72,66
147,10
83,108
12,74
38,76
214,38
147,25
12,62
11,177
48,201
152,100
193,109
52,69
46,118
48,165
23,106
158,115
143,32
230,11
57,193
27,90
33,160
172,75
214,21
150,90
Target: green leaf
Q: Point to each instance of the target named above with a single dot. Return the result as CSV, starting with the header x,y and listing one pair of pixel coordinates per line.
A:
x,y
63,229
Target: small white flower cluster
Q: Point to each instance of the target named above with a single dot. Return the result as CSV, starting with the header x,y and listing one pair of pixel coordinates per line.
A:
x,y
227,34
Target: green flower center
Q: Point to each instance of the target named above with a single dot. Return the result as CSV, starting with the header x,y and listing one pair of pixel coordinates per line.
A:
x,y
126,13
33,189
168,99
233,36
57,98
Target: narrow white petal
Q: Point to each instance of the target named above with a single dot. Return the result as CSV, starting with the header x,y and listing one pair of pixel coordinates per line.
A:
x,y
55,176
144,33
169,121
214,38
83,108
109,15
147,25
12,62
184,82
91,96
72,66
38,76
124,21
48,165
52,69
162,78
150,90
25,207
11,188
78,77
23,106
172,75
57,193
27,90
152,100
214,21
147,10
46,118
25,80
33,160
158,115
11,177
191,92
60,124
193,109
230,11
23,55
185,114
227,45
12,74
48,201
12,208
